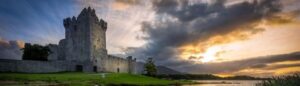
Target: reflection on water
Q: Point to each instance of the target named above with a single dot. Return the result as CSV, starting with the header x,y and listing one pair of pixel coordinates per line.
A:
x,y
226,83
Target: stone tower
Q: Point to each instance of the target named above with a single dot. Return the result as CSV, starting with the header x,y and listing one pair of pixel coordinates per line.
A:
x,y
84,46
85,40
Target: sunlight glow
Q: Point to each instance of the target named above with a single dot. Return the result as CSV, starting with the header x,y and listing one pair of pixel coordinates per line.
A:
x,y
209,55
224,75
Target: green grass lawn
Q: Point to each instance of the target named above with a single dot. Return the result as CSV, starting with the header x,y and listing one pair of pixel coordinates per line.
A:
x,y
82,79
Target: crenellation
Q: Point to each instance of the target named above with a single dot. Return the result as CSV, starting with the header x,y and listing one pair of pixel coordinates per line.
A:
x,y
89,9
67,22
103,24
74,20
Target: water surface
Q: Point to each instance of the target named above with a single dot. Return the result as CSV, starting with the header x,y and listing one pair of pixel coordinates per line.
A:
x,y
226,83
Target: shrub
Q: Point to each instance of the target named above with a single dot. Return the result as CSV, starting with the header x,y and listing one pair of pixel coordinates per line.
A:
x,y
290,80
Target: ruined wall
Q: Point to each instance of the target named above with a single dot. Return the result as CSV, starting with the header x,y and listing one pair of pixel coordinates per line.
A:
x,y
120,65
139,68
116,64
28,66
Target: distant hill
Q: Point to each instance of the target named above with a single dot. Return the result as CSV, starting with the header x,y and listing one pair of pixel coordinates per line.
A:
x,y
166,70
206,77
161,70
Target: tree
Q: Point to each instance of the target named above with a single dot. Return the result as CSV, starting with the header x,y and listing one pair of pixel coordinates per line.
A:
x,y
35,52
150,67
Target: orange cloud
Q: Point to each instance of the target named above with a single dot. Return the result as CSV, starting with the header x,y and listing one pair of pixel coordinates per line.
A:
x,y
283,18
18,43
202,46
11,49
272,69
123,4
285,71
4,43
21,44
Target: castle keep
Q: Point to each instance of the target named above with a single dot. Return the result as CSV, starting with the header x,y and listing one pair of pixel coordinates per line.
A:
x,y
83,49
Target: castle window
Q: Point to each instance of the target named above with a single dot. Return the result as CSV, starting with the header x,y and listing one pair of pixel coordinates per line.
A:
x,y
79,68
95,68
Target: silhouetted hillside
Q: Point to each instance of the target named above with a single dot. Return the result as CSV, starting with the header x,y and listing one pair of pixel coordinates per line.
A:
x,y
205,77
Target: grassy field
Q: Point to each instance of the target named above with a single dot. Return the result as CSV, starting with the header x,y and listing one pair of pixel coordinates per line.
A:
x,y
81,79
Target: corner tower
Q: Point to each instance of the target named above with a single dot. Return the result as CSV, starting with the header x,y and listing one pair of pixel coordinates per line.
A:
x,y
85,40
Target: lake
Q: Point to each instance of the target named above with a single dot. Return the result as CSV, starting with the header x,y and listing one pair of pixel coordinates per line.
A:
x,y
226,83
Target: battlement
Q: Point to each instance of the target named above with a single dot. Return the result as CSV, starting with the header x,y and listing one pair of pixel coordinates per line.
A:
x,y
69,21
86,14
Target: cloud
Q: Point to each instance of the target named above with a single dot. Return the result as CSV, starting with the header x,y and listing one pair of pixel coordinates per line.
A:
x,y
201,24
238,67
124,4
11,49
123,24
183,26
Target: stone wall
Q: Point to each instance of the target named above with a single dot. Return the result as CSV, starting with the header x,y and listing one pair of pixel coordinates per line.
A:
x,y
116,64
30,66
139,68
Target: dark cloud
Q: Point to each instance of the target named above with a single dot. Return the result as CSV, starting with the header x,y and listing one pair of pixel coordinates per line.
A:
x,y
11,49
259,66
182,23
184,12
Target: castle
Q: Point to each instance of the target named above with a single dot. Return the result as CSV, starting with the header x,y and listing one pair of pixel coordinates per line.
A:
x,y
83,49
85,44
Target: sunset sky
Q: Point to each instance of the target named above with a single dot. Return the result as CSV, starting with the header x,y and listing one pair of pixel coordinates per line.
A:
x,y
223,37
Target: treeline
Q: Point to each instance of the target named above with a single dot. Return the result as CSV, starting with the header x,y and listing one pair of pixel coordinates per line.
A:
x,y
205,77
35,52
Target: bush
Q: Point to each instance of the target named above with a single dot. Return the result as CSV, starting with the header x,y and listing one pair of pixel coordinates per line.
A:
x,y
291,80
35,52
150,67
